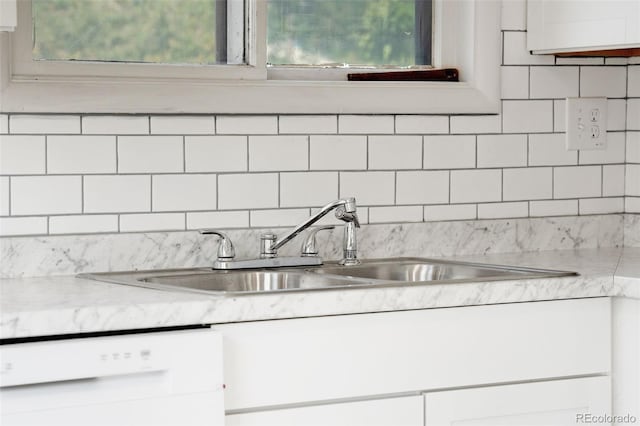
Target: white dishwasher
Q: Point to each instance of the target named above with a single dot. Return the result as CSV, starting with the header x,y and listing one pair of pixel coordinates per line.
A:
x,y
161,378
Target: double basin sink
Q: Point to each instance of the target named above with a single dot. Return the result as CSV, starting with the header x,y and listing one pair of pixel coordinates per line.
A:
x,y
330,276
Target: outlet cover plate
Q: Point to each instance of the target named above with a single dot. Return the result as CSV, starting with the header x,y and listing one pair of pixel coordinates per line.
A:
x,y
586,123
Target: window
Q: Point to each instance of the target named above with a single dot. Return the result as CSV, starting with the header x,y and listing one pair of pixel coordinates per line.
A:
x,y
349,32
247,56
142,31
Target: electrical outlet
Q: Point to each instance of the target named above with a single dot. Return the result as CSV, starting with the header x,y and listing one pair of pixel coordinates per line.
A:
x,y
586,123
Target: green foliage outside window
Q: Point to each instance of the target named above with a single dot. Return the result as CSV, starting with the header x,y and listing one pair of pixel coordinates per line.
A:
x,y
374,32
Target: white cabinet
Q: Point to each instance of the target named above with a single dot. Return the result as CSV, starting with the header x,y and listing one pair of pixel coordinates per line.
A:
x,y
626,357
552,403
288,370
401,411
555,26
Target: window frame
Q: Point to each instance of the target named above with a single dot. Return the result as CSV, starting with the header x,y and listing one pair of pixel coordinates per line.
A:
x,y
468,32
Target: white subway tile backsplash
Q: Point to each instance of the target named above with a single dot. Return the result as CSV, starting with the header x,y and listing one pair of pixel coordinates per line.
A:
x,y
579,61
467,124
469,186
369,188
308,189
601,205
549,149
183,125
559,117
152,222
449,152
613,180
338,152
395,214
533,183
554,82
218,220
503,210
610,82
514,15
515,82
215,153
274,153
577,182
422,124
366,124
633,90
633,114
617,61
616,114
516,53
33,195
527,116
633,147
81,154
12,226
115,194
632,180
279,217
422,187
4,196
502,151
150,154
22,155
614,152
450,212
308,124
115,125
45,124
183,192
423,162
83,224
632,205
243,191
247,125
553,208
395,152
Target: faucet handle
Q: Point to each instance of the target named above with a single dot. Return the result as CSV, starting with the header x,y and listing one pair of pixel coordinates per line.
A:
x,y
309,247
225,248
348,216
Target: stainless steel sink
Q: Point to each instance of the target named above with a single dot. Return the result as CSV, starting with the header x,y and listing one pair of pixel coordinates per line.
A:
x,y
413,270
372,273
250,281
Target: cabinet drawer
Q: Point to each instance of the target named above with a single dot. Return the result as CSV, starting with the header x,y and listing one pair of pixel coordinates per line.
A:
x,y
559,402
314,359
403,411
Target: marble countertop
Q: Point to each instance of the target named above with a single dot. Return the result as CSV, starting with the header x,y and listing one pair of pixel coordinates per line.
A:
x,y
68,305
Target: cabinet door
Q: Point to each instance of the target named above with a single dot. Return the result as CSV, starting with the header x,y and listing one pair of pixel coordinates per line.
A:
x,y
404,411
551,403
573,26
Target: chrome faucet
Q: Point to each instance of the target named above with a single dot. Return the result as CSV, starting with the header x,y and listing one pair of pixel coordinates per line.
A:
x,y
345,210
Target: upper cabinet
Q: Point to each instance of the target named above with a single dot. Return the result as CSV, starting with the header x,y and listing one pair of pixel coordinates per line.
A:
x,y
591,27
